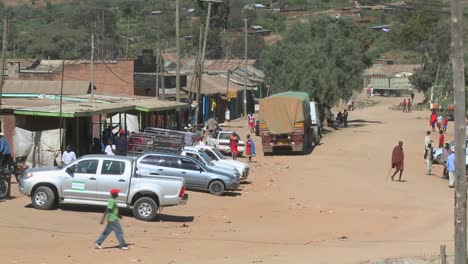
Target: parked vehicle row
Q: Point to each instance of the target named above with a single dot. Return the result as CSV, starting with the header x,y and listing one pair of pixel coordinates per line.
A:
x,y
149,180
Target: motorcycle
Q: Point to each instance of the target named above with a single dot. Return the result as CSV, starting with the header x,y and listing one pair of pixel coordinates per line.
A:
x,y
18,167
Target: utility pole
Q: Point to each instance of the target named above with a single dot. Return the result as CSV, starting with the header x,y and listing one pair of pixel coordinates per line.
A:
x,y
92,67
458,66
157,72
178,54
245,70
61,132
128,34
163,87
202,62
4,51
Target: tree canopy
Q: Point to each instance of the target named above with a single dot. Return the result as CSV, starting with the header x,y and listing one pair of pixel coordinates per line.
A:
x,y
324,57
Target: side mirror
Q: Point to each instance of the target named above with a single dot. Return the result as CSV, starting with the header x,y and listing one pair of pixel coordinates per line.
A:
x,y
70,170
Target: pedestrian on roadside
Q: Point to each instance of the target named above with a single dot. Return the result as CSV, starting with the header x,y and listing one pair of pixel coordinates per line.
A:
x,y
412,97
345,118
451,168
427,139
234,140
398,159
252,123
433,121
68,156
369,91
5,151
121,144
339,118
249,148
110,148
97,147
405,105
440,120
441,139
112,216
428,156
410,104
445,123
444,156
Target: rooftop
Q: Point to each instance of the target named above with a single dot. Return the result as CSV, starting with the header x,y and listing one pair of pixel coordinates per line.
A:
x,y
84,106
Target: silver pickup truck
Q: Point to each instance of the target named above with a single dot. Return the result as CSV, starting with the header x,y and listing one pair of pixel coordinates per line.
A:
x,y
89,180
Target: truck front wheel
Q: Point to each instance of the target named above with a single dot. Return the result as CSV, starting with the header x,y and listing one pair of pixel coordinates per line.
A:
x,y
43,198
145,209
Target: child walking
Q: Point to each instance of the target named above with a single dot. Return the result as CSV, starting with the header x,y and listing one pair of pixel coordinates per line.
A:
x,y
250,148
112,215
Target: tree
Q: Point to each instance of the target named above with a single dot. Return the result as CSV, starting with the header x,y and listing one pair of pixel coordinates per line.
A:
x,y
255,46
323,57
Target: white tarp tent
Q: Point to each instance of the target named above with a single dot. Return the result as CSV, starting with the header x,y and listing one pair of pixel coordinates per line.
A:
x,y
40,147
132,122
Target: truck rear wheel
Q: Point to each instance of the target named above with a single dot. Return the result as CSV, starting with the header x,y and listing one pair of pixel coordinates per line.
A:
x,y
145,209
43,198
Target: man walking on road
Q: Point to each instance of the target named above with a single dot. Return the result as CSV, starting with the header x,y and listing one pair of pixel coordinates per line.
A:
x,y
451,168
112,216
428,156
427,140
398,158
445,153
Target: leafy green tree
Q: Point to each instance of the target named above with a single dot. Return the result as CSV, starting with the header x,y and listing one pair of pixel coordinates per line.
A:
x,y
323,57
255,46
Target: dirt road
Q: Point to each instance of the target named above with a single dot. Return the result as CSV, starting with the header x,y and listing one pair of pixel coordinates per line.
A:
x,y
332,206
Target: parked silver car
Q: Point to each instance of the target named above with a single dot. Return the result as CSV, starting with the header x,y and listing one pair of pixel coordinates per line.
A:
x,y
89,179
197,175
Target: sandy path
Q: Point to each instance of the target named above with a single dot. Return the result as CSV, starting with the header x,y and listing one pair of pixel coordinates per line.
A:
x,y
293,211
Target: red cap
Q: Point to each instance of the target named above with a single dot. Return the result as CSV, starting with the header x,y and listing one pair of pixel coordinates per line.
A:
x,y
114,191
121,131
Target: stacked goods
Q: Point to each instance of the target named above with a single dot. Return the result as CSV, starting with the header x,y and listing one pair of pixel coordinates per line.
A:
x,y
155,140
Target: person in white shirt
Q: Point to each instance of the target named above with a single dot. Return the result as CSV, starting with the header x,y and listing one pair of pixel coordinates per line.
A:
x,y
110,148
68,156
427,140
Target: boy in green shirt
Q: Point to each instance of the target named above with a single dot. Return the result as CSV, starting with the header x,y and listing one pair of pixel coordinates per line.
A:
x,y
112,215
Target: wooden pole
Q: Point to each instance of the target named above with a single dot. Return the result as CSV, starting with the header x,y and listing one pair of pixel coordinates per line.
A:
x,y
245,70
157,72
443,255
458,66
202,62
163,85
4,51
61,132
92,67
177,53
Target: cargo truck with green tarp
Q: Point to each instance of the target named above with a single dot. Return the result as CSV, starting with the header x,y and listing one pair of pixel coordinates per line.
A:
x,y
285,122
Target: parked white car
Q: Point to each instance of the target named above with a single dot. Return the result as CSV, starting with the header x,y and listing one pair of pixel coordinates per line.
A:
x,y
220,140
216,155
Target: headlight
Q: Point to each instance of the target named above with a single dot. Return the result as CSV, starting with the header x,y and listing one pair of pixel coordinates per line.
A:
x,y
29,175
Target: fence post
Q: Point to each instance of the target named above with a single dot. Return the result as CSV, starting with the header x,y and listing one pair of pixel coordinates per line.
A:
x,y
443,256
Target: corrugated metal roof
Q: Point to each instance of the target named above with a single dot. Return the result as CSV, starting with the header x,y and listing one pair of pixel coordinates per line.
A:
x,y
214,84
391,69
45,107
217,65
45,87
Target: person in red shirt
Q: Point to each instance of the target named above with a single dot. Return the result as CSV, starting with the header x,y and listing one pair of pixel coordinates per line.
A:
x,y
405,105
445,124
433,121
441,139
